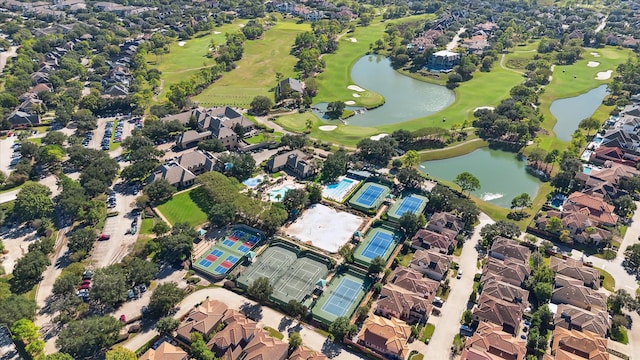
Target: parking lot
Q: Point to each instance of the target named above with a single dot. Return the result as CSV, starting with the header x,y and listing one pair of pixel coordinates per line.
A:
x,y
6,147
101,132
16,241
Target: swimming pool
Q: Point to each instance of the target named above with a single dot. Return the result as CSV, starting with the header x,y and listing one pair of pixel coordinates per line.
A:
x,y
339,190
254,181
277,195
598,140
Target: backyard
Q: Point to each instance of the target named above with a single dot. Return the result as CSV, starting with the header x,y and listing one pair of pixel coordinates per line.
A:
x,y
182,208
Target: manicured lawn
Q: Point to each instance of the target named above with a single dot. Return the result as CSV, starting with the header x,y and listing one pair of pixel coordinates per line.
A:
x,y
609,282
621,335
146,226
181,208
274,333
449,152
427,333
256,71
404,260
262,137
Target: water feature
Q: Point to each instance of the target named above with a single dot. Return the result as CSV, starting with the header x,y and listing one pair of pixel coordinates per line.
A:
x,y
570,111
277,195
405,98
502,176
254,181
338,190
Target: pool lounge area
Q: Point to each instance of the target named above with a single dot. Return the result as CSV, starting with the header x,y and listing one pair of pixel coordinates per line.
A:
x,y
339,190
277,195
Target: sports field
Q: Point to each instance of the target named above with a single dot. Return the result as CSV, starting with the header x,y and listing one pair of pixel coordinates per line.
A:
x,y
341,297
379,241
292,274
182,208
413,203
369,197
228,251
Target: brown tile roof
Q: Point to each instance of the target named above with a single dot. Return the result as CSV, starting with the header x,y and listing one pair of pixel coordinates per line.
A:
x,y
238,331
165,351
491,343
427,260
509,248
507,292
386,336
511,271
304,353
414,281
445,220
575,269
203,319
428,239
264,347
574,345
571,317
500,312
402,303
580,296
596,208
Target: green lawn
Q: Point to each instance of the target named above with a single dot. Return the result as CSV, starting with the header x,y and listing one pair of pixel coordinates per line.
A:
x,y
274,333
427,333
256,71
146,226
262,137
181,208
609,283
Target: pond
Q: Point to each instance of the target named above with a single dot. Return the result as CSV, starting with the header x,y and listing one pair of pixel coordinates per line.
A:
x,y
570,111
405,98
502,176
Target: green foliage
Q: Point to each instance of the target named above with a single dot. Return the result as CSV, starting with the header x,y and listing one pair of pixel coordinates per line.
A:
x,y
295,340
159,191
377,152
87,337
167,325
377,265
16,307
164,298
109,286
334,166
261,289
33,202
260,105
120,353
467,182
411,223
340,327
295,309
82,240
199,349
504,228
621,299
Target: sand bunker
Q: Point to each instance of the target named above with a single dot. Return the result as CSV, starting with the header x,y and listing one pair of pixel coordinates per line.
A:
x,y
604,75
483,108
181,43
355,95
595,54
349,102
217,33
327,127
353,39
355,88
241,25
379,136
593,63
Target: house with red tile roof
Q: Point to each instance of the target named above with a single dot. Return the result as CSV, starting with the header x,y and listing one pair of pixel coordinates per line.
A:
x,y
433,264
500,312
581,227
574,318
596,208
204,318
577,295
507,292
387,337
588,276
489,342
304,353
503,248
428,239
511,271
165,351
577,345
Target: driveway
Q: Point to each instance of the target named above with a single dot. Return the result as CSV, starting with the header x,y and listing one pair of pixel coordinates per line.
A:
x,y
6,55
268,317
448,324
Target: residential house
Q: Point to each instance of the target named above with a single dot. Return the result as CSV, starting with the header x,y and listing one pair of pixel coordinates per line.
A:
x,y
433,264
205,318
621,139
304,353
500,312
488,27
387,337
443,222
289,87
263,347
414,281
191,138
295,162
39,78
181,172
32,105
476,44
576,345
407,297
427,239
505,291
596,208
21,119
604,182
581,228
605,154
503,248
589,276
426,40
489,342
574,318
444,60
116,91
577,295
510,271
165,351
41,88
221,123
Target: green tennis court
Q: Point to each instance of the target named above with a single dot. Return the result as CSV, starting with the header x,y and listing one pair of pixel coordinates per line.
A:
x,y
342,297
369,197
378,241
413,203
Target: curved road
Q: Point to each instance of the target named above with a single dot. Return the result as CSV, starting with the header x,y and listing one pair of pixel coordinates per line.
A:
x,y
6,55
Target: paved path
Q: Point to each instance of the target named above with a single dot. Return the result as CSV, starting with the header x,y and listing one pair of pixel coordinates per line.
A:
x,y
448,324
454,42
602,24
6,55
270,317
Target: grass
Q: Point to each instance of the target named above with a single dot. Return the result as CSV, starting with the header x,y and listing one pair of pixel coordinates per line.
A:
x,y
276,174
256,71
417,356
181,208
449,152
621,335
427,333
405,259
262,137
145,226
274,333
609,283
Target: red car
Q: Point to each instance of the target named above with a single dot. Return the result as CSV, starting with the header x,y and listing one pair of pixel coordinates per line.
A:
x,y
86,282
123,318
84,286
104,237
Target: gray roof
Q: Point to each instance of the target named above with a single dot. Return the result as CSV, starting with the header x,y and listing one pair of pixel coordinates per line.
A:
x,y
293,84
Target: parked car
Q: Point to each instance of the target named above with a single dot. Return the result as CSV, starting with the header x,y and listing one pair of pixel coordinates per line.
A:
x,y
104,237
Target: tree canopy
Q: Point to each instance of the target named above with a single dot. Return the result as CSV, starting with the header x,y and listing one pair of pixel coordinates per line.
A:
x,y
88,337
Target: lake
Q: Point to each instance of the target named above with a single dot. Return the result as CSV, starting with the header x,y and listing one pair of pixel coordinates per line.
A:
x,y
502,176
570,111
405,98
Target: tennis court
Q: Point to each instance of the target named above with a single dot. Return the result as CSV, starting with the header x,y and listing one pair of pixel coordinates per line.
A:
x,y
293,275
227,252
342,296
414,204
379,241
369,197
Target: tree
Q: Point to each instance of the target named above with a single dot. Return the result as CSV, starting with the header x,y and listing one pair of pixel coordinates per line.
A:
x,y
33,202
261,289
335,109
295,340
621,299
82,240
85,120
88,337
58,356
340,327
160,228
167,325
239,166
213,145
54,138
467,182
377,152
295,199
293,141
109,286
175,247
521,201
260,105
222,214
295,309
25,331
467,317
377,265
28,270
411,223
632,256
164,298
120,353
411,158
504,228
15,307
315,193
542,292
66,283
159,191
334,166
554,224
199,349
139,271
625,206
589,124
410,177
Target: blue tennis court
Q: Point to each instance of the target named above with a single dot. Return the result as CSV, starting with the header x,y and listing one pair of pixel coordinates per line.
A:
x,y
341,299
243,249
409,204
370,195
228,242
253,239
378,245
205,262
220,269
217,253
